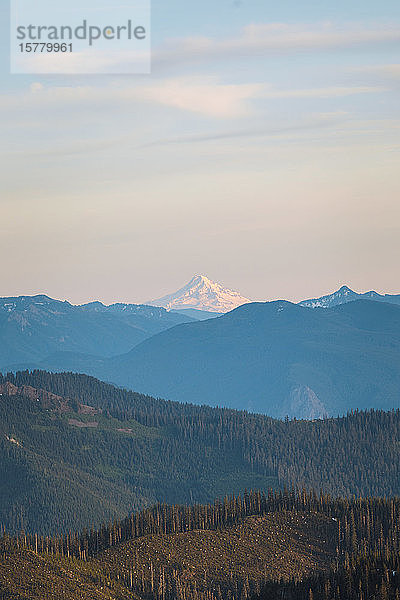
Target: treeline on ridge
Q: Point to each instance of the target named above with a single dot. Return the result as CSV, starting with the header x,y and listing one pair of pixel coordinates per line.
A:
x,y
365,539
174,453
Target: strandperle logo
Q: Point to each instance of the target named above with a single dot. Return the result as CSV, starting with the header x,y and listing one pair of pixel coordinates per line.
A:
x,y
85,31
80,36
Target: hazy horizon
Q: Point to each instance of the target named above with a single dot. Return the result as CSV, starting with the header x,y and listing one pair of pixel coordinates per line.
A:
x,y
116,299
262,151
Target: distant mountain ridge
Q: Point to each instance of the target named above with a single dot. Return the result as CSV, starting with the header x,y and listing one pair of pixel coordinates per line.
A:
x,y
202,294
275,358
33,327
345,294
309,360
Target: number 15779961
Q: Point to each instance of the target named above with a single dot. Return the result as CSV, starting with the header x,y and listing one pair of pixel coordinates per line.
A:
x,y
45,47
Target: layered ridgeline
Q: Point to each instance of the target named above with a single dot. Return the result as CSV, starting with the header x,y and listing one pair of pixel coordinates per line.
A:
x,y
37,328
295,546
345,295
34,327
275,358
76,452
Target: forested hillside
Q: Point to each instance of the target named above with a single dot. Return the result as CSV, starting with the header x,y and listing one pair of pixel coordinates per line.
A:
x,y
290,545
76,452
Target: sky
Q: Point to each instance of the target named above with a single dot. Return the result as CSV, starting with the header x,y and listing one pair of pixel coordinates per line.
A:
x,y
262,151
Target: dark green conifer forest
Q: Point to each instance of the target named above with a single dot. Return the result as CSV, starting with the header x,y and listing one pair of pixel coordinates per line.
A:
x,y
85,451
110,494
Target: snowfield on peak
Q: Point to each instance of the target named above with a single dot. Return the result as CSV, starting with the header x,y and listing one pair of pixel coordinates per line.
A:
x,y
202,294
345,295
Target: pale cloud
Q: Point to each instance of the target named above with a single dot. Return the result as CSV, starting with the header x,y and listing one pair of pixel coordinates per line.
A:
x,y
254,40
391,71
220,100
278,130
263,39
210,97
328,92
112,171
83,62
207,96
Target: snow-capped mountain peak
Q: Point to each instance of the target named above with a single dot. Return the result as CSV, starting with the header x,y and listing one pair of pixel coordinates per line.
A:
x,y
202,294
344,295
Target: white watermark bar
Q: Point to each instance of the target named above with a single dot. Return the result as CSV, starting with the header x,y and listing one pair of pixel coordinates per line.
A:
x,y
80,37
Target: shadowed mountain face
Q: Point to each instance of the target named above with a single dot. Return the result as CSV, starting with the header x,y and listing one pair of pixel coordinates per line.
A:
x,y
275,358
198,315
345,294
32,327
